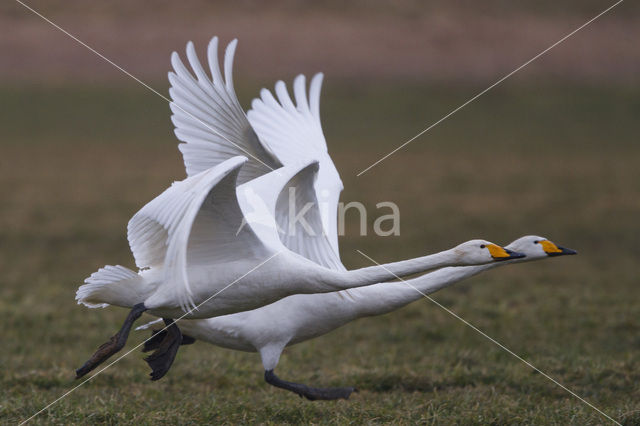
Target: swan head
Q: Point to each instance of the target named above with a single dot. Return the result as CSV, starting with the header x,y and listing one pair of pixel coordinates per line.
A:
x,y
479,252
536,247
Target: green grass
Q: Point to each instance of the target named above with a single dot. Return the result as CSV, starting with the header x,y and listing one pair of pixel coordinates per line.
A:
x,y
552,160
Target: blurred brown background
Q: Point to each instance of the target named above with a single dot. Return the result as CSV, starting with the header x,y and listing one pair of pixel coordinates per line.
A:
x,y
360,40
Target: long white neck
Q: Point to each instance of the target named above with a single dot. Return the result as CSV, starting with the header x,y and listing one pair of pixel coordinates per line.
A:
x,y
389,271
382,298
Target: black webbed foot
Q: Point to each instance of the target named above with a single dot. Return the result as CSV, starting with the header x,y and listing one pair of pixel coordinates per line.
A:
x,y
114,344
161,359
308,392
158,335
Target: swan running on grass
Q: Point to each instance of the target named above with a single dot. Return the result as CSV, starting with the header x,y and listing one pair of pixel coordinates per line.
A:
x,y
195,258
291,130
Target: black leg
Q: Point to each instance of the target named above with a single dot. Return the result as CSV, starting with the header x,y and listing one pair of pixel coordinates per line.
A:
x,y
160,361
114,344
187,340
158,335
310,393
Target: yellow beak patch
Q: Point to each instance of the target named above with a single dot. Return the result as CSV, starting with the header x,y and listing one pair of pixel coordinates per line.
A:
x,y
549,247
497,252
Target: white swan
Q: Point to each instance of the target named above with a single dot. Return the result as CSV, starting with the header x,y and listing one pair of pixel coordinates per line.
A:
x,y
298,318
189,250
189,243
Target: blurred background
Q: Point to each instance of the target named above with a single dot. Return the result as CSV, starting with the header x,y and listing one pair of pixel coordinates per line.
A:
x,y
552,151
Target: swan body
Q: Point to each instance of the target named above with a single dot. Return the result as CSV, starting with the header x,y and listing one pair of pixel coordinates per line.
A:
x,y
294,319
193,251
199,255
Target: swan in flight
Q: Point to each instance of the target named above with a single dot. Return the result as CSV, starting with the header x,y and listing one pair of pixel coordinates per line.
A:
x,y
294,319
195,258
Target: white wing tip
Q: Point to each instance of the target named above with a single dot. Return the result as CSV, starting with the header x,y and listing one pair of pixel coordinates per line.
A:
x,y
317,76
213,44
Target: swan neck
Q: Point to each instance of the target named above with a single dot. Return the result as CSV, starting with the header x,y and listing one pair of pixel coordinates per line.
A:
x,y
393,270
382,298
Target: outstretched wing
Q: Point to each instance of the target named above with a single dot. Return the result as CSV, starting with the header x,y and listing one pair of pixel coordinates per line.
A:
x,y
208,118
293,132
194,222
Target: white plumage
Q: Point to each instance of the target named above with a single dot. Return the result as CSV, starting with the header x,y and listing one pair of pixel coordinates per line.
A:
x,y
198,255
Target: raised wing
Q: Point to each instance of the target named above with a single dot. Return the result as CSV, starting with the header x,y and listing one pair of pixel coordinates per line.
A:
x,y
298,214
293,132
208,118
194,222
286,212
213,127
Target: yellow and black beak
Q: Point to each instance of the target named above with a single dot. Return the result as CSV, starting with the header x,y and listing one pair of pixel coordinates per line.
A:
x,y
499,253
553,250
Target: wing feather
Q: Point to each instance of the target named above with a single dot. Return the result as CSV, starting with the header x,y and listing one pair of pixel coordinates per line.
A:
x,y
294,133
272,196
194,222
208,118
211,124
306,238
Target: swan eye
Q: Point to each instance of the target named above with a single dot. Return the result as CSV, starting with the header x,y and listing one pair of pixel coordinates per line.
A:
x,y
482,246
536,242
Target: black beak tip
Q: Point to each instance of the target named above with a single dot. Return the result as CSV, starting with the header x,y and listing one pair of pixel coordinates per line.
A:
x,y
515,255
512,255
563,252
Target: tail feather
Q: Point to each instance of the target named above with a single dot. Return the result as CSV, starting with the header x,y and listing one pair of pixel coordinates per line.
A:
x,y
111,285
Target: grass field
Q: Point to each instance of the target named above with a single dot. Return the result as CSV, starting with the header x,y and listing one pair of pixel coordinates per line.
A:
x,y
555,160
